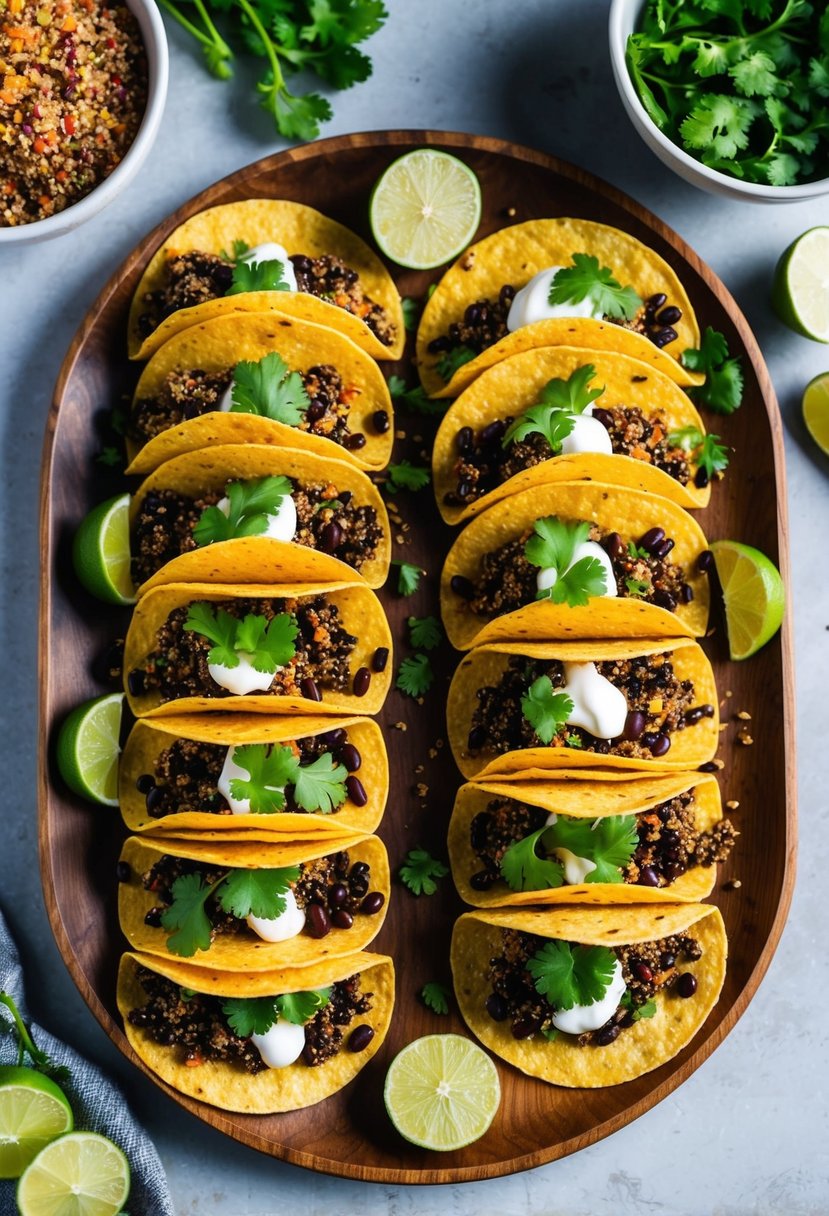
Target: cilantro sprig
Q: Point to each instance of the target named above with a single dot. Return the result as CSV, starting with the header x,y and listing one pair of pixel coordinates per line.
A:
x,y
572,975
425,632
318,787
553,546
587,280
558,406
247,1016
240,893
435,997
41,1061
415,399
452,360
722,391
268,275
415,676
420,871
408,577
704,450
268,644
250,503
609,843
270,389
545,708
406,476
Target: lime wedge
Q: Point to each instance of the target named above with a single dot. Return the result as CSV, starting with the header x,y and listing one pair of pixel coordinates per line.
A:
x,y
800,290
33,1111
754,596
101,552
425,209
88,748
80,1174
442,1092
816,410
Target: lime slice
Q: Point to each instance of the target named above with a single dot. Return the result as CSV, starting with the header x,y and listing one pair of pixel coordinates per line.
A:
x,y
33,1111
442,1092
754,595
81,1174
816,410
101,552
425,209
800,290
88,748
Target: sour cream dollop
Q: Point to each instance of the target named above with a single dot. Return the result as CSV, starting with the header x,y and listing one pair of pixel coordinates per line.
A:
x,y
598,706
582,1018
587,435
281,1045
547,576
532,303
269,251
281,524
282,928
241,679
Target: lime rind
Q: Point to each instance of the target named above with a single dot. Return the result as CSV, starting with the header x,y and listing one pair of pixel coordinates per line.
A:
x,y
816,410
754,595
425,209
800,289
33,1112
101,552
88,748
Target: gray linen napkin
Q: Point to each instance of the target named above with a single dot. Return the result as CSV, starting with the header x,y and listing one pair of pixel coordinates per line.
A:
x,y
98,1105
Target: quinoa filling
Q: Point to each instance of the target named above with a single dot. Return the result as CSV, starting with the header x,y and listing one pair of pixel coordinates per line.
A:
x,y
669,843
327,519
483,463
195,1025
647,968
658,705
191,393
178,666
196,277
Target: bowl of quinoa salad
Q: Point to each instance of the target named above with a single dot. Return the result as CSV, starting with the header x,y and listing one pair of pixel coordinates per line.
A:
x,y
82,90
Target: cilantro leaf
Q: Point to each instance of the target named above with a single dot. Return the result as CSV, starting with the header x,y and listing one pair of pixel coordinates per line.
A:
x,y
723,387
249,505
573,394
453,359
704,450
545,709
647,1010
555,413
320,786
247,1016
218,627
270,389
719,123
256,892
579,584
186,914
270,645
425,632
523,870
238,247
406,476
415,676
755,76
712,351
411,313
415,398
269,771
586,280
408,577
435,997
300,1007
609,843
572,975
26,1046
637,587
420,870
553,546
258,276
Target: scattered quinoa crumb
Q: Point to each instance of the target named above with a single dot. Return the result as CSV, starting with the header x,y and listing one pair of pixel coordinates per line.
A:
x,y
743,715
400,726
422,790
744,738
733,884
733,804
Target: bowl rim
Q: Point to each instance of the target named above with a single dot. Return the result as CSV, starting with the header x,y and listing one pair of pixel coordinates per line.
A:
x,y
154,37
621,21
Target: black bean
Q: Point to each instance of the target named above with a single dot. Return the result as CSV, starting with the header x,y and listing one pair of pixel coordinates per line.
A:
x,y
608,1034
686,593
350,757
524,1028
686,985
360,1038
341,918
661,745
358,885
334,738
652,539
315,411
464,439
477,738
462,586
381,422
483,880
635,724
664,549
648,739
663,336
331,537
380,659
145,783
710,766
667,960
664,599
439,344
648,877
372,903
694,715
604,417
641,971
657,300
153,918
465,488
362,681
493,432
345,497
302,263
337,894
123,871
674,870
670,315
472,316
356,792
705,561
135,682
361,867
309,690
154,797
507,294
317,923
614,546
355,442
701,478
496,1007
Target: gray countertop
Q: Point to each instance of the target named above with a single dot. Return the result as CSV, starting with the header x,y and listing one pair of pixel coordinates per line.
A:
x,y
747,1135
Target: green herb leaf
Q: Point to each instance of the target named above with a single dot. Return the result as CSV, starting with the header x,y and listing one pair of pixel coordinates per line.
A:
x,y
704,450
247,1016
256,892
26,1046
545,709
320,786
435,997
186,914
270,770
258,276
573,394
239,248
637,587
406,476
586,280
411,313
249,505
415,399
408,577
572,975
553,546
218,627
723,388
300,1007
609,843
268,388
561,401
415,676
523,870
647,1010
420,870
270,644
453,359
425,632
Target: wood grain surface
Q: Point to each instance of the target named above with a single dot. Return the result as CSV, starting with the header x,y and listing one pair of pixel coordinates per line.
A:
x,y
349,1134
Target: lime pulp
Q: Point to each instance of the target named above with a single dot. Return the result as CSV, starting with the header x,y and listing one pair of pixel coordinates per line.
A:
x,y
754,595
101,552
79,1174
33,1111
800,289
88,748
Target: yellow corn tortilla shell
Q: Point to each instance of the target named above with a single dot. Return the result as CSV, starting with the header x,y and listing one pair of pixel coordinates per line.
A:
x,y
276,1089
361,615
259,559
514,255
510,387
150,737
640,1048
298,229
245,951
583,800
613,509
218,344
690,747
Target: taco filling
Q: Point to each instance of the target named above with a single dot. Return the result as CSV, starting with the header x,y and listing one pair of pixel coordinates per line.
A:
x,y
615,707
317,516
196,277
280,647
592,994
529,849
253,1034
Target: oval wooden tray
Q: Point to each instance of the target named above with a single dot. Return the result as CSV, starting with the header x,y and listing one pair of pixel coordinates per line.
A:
x,y
349,1134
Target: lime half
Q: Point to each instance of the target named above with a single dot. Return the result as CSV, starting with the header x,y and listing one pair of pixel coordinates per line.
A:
x,y
81,1174
89,747
33,1111
442,1092
754,595
101,552
800,291
816,410
425,209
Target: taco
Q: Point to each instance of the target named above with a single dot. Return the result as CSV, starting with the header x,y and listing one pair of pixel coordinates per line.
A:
x,y
260,379
533,708
256,514
313,777
266,255
562,414
610,292
265,906
585,997
591,841
280,649
575,560
258,1042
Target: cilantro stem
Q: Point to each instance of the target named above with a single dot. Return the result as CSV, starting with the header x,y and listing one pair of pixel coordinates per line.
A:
x,y
203,38
270,50
25,1042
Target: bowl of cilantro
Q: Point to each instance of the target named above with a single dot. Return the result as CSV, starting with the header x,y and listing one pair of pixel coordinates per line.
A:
x,y
733,95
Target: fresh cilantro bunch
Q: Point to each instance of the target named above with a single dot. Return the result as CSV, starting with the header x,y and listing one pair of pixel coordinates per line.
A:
x,y
742,85
609,843
247,1016
250,503
553,547
239,893
269,644
555,413
318,787
290,35
270,389
587,280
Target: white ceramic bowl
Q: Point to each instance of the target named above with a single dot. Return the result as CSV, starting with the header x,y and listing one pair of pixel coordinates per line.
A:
x,y
623,18
154,37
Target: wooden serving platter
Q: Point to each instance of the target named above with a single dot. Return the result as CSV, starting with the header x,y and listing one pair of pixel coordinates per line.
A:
x,y
349,1134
